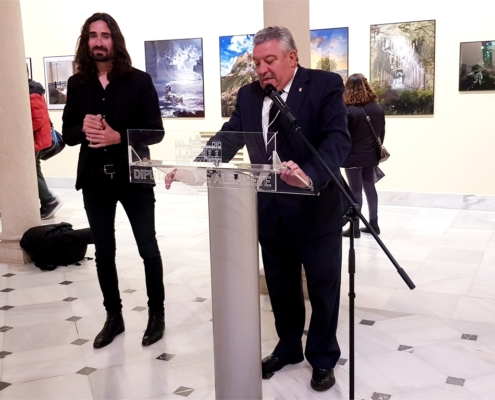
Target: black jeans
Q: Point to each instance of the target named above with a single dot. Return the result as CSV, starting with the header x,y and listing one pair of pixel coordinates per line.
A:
x,y
100,195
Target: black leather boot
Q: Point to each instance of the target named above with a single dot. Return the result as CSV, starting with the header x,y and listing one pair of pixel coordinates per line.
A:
x,y
114,325
357,233
155,328
374,225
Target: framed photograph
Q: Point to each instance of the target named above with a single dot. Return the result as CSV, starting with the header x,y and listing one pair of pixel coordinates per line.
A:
x,y
477,66
176,67
29,68
58,70
330,49
402,66
236,68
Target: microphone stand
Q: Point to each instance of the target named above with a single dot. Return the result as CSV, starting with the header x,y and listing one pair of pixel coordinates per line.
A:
x,y
352,215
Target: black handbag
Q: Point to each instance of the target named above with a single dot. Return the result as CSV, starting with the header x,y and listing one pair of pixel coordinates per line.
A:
x,y
383,154
57,146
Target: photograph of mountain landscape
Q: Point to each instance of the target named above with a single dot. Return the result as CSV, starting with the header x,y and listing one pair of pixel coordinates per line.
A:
x,y
236,68
176,67
402,66
329,50
477,66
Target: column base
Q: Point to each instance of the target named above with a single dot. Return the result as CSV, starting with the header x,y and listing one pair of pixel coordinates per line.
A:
x,y
12,253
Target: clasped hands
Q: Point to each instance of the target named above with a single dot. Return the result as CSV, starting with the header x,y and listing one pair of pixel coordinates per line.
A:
x,y
289,173
98,132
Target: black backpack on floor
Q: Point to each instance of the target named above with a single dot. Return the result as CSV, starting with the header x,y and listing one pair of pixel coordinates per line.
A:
x,y
56,244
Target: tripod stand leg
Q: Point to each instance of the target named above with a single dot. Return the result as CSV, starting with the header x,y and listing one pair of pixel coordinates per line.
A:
x,y
352,296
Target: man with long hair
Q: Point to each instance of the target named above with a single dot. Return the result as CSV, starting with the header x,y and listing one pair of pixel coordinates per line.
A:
x,y
105,98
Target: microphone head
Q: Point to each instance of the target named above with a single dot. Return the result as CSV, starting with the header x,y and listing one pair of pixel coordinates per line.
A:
x,y
270,89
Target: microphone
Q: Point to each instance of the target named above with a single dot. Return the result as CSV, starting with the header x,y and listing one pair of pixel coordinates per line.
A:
x,y
273,94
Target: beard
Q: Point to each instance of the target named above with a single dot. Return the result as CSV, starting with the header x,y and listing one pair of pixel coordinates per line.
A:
x,y
103,56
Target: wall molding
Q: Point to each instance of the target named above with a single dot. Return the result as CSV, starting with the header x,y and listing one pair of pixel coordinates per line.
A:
x,y
385,198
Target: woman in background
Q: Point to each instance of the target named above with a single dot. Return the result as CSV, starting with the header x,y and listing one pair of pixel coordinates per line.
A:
x,y
364,155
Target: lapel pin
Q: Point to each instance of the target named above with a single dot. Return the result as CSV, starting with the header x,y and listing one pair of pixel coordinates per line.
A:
x,y
300,89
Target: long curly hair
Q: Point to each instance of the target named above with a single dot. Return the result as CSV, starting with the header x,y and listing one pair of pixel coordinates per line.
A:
x,y
358,91
121,62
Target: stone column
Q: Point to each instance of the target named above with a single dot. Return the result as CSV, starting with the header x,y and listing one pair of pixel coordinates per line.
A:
x,y
294,15
19,203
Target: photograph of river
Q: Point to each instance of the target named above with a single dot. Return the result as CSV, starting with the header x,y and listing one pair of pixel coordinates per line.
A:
x,y
402,66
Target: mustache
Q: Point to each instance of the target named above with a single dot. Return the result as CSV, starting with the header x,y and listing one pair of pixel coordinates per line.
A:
x,y
99,48
267,75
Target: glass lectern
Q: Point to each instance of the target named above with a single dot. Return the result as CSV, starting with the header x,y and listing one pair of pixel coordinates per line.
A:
x,y
232,202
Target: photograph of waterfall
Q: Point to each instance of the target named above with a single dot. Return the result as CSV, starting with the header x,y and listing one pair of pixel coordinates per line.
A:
x,y
402,66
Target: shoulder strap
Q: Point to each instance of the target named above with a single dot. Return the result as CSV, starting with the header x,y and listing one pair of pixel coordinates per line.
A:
x,y
378,140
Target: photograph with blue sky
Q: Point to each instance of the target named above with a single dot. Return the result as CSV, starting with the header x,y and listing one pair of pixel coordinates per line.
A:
x,y
236,68
329,50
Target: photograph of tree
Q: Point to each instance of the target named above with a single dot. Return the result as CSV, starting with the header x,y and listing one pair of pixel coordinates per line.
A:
x,y
236,68
477,66
402,66
176,67
329,50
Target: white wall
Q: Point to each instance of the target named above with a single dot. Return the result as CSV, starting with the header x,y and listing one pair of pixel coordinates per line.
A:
x,y
449,152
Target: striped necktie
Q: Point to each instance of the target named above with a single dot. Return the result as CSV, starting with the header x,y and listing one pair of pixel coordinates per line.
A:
x,y
273,128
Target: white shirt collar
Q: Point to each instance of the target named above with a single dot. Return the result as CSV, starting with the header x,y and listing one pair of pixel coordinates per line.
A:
x,y
267,103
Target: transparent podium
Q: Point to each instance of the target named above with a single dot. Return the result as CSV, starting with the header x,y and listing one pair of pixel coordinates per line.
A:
x,y
232,206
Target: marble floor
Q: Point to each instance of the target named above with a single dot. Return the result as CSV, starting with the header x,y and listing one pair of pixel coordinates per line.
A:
x,y
434,342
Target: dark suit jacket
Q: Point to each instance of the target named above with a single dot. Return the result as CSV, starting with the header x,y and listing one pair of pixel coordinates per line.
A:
x,y
315,97
136,107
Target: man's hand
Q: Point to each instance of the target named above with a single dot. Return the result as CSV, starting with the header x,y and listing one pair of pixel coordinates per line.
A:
x,y
170,178
98,132
92,122
293,175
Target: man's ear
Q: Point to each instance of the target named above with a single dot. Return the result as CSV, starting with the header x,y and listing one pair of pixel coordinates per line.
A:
x,y
293,58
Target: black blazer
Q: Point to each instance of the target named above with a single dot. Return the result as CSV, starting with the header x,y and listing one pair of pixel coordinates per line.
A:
x,y
364,150
136,107
315,97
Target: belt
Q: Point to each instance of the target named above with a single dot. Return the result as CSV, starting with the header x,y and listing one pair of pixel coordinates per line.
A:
x,y
109,169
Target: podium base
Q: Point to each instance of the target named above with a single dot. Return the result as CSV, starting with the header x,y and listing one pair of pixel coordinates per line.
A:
x,y
12,253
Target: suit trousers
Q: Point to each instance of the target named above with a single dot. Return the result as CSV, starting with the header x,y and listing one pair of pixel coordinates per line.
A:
x,y
100,195
284,254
